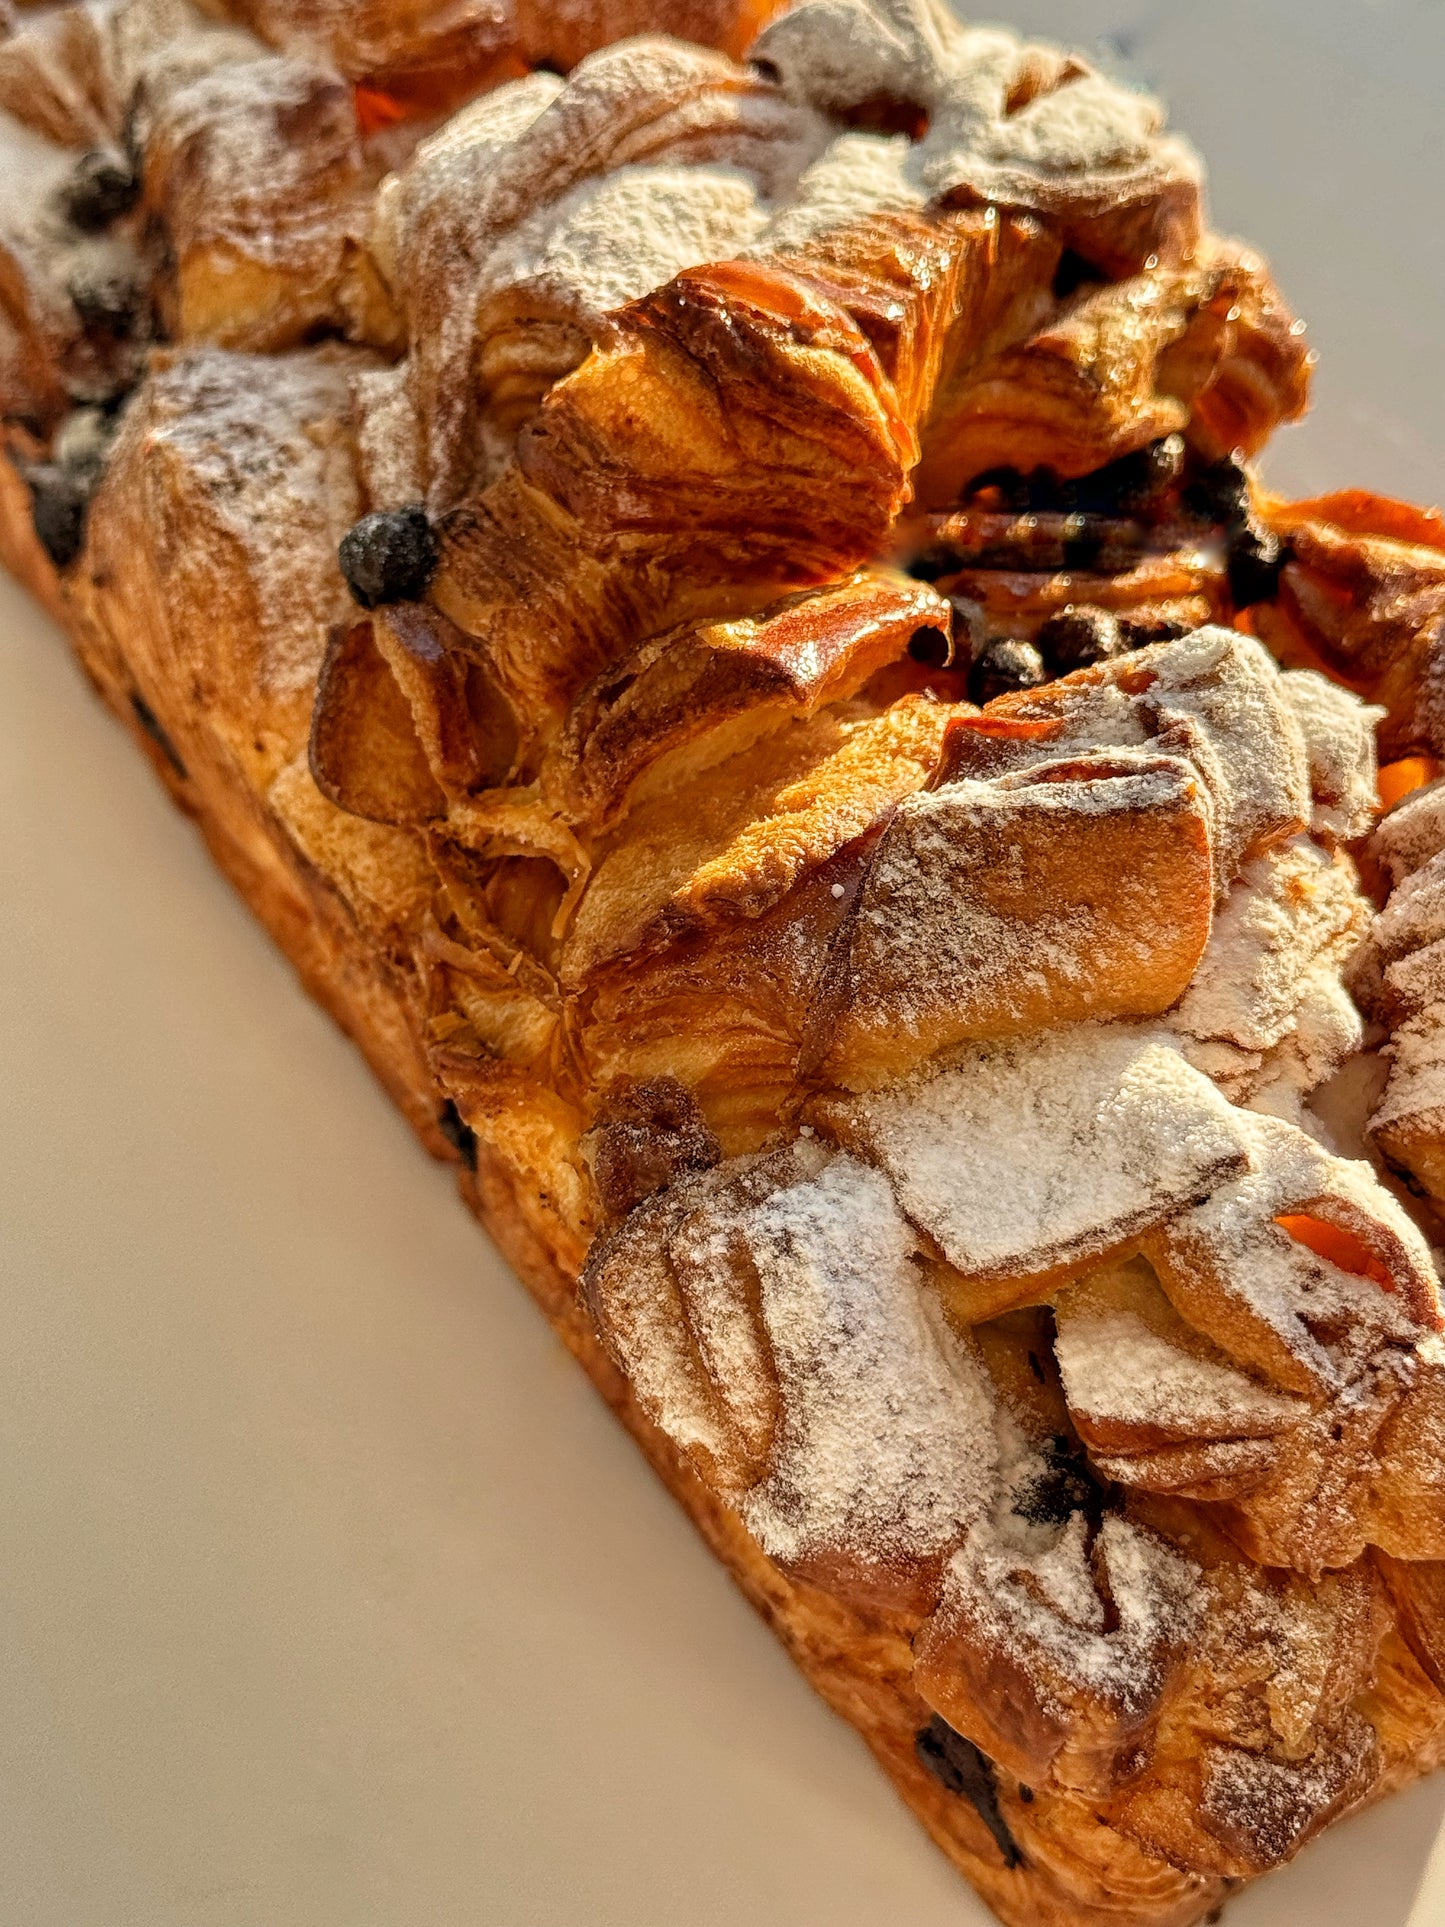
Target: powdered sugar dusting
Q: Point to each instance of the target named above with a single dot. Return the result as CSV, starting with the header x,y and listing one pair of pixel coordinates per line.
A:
x,y
1275,1803
1044,1613
1412,833
608,241
1115,1366
1413,919
885,1439
1007,120
1218,700
1326,1029
388,438
1214,699
638,1308
857,175
259,434
552,202
1027,1156
1232,1245
992,907
1415,1092
1289,909
237,170
773,1321
1339,733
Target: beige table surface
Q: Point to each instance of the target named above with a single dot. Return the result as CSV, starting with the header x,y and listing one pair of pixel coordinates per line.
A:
x,y
330,1596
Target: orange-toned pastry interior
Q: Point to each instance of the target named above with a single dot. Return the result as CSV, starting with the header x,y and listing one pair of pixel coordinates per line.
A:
x,y
709,589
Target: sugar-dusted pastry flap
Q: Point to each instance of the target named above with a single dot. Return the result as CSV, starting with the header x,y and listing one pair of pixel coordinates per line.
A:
x,y
1004,121
217,524
788,1341
1215,698
539,209
265,267
1073,890
1024,1159
1022,1656
1292,910
702,573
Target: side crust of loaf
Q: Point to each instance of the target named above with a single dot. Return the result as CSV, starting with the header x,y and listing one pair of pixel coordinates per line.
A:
x,y
861,1666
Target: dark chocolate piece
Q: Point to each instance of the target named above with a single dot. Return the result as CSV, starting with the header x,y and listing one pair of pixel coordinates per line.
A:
x,y
1073,273
389,556
1084,542
1006,663
648,1134
958,1765
1013,489
1076,637
1254,563
1220,493
1064,1487
109,305
936,560
1138,630
59,502
970,630
153,728
458,1133
102,186
1132,484
932,646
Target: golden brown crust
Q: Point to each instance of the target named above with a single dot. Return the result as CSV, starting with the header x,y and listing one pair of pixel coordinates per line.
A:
x,y
1076,1873
879,1066
862,1667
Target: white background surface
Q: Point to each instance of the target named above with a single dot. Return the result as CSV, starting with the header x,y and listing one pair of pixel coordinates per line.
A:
x,y
330,1596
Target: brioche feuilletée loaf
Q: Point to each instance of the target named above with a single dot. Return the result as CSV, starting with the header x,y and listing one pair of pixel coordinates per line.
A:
x,y
713,599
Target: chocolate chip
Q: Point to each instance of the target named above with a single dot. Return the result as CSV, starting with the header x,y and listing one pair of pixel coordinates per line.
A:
x,y
1083,543
1138,630
1220,493
932,647
59,503
1004,664
102,186
389,556
1049,492
109,305
1064,1487
649,1133
153,728
959,1766
1076,637
1254,564
970,630
1073,273
936,560
1132,484
458,1133
1149,472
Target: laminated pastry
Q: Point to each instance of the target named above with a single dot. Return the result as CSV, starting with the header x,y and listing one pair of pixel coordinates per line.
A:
x,y
710,593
